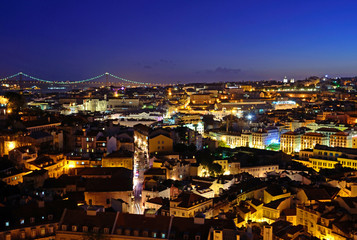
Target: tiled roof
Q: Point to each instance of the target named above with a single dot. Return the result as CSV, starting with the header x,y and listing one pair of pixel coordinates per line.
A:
x,y
188,199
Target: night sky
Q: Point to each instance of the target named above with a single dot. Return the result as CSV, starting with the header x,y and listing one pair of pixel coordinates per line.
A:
x,y
178,41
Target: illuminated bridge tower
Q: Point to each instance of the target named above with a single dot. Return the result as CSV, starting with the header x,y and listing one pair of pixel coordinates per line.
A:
x,y
107,79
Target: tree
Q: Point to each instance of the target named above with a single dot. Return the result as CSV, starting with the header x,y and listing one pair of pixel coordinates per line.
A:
x,y
222,144
204,157
16,101
215,169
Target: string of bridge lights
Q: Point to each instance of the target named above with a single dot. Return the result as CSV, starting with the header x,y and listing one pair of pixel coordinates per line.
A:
x,y
71,82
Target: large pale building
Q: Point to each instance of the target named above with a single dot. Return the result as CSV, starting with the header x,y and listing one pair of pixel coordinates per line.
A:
x,y
160,143
290,142
265,137
188,204
120,158
200,99
341,139
310,139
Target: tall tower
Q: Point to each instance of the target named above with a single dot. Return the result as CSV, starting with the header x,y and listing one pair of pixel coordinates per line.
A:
x,y
107,79
285,80
20,81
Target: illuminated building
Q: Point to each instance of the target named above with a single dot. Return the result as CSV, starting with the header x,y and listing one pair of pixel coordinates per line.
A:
x,y
233,140
34,220
99,190
263,138
160,143
246,139
187,204
15,177
275,192
272,210
341,139
23,154
77,224
94,141
259,171
201,99
327,157
119,158
317,222
290,142
284,105
309,140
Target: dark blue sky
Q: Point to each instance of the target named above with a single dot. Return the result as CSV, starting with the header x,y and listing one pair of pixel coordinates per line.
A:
x,y
178,41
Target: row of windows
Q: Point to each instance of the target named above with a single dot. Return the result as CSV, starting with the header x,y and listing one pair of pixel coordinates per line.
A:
x,y
33,233
349,163
32,220
323,164
120,231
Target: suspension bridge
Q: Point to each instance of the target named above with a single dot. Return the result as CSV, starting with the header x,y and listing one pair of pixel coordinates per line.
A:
x,y
105,79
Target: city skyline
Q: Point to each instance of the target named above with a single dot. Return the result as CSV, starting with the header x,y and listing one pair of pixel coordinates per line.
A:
x,y
171,42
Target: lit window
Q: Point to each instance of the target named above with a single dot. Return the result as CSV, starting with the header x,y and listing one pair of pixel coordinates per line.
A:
x,y
22,221
7,224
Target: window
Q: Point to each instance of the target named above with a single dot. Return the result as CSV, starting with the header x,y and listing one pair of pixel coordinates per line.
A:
x,y
43,231
32,220
74,228
7,224
33,233
106,230
50,217
22,221
163,235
